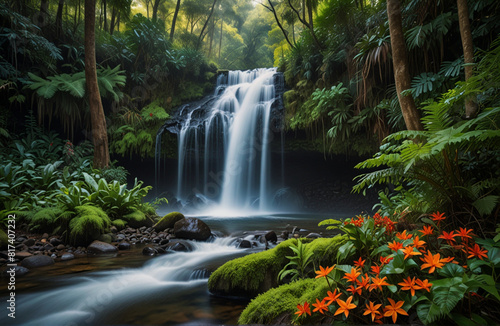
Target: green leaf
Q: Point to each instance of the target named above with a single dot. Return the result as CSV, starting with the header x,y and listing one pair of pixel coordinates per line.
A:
x,y
428,312
486,205
451,270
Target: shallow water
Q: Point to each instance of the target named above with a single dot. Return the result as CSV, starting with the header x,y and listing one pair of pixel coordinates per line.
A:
x,y
134,289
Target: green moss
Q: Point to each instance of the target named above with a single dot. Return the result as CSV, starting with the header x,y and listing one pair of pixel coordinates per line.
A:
x,y
88,224
136,219
257,273
44,220
120,224
3,239
278,305
168,221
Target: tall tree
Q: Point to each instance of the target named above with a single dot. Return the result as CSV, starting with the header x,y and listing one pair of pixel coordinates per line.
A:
x,y
400,63
156,5
285,32
174,19
471,107
97,118
59,15
202,35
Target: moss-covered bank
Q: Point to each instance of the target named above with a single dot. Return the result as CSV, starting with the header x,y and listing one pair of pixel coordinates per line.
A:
x,y
277,306
256,273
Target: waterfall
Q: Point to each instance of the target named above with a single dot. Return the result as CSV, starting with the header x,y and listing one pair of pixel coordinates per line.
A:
x,y
224,141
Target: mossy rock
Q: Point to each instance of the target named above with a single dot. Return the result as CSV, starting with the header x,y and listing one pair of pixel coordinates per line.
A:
x,y
4,240
278,305
119,224
136,219
168,221
88,224
256,273
44,220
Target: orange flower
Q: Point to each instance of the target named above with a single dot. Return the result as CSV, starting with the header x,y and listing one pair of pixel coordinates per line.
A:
x,y
408,251
378,283
355,289
464,234
395,246
332,296
359,263
375,269
403,236
427,230
425,285
352,276
438,217
409,284
432,261
345,306
303,309
365,282
449,237
372,309
477,252
320,306
385,260
394,309
417,243
323,272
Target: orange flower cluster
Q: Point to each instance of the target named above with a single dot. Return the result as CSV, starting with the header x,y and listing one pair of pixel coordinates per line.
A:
x,y
364,285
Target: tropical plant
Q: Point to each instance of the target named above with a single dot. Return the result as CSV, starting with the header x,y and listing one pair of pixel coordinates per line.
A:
x,y
298,267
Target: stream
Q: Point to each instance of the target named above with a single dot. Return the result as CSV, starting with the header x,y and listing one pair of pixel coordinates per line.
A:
x,y
132,289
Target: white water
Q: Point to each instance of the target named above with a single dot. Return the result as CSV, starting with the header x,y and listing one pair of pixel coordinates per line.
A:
x,y
225,158
88,300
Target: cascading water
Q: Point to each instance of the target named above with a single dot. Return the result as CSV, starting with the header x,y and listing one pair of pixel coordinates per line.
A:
x,y
224,142
129,296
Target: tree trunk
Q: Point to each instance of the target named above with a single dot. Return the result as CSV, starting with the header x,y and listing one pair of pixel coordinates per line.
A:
x,y
155,9
105,15
471,107
212,30
97,118
220,39
400,63
285,33
44,14
112,23
172,30
200,38
59,13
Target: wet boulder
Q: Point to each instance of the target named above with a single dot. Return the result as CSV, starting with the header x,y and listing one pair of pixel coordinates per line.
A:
x,y
168,221
98,248
37,261
192,228
180,245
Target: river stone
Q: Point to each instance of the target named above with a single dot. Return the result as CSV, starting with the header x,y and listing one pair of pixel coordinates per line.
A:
x,y
67,256
60,247
106,238
98,247
192,228
124,246
168,221
23,254
245,244
148,251
271,237
178,246
29,242
55,242
37,261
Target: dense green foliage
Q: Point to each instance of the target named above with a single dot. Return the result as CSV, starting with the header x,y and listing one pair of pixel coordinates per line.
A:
x,y
453,165
345,60
51,185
